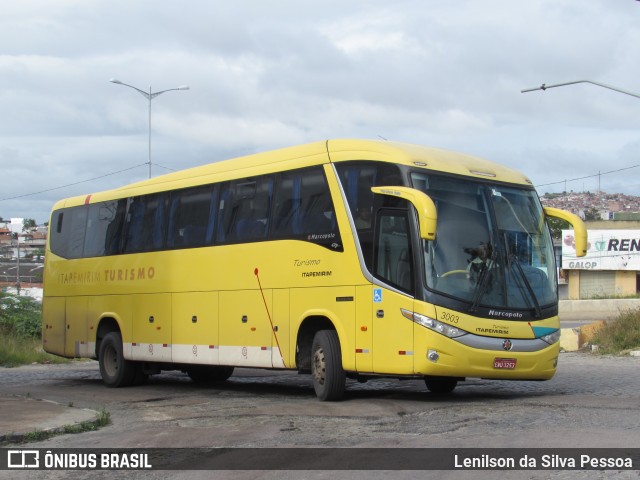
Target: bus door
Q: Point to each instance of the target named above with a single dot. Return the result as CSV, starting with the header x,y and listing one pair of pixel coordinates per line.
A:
x,y
393,268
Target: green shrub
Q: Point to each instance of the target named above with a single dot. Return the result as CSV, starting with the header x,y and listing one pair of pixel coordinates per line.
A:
x,y
21,332
620,334
20,315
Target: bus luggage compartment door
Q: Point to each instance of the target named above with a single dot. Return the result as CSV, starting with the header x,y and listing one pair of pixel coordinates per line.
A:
x,y
246,338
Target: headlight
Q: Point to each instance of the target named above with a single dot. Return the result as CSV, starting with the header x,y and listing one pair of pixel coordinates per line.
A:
x,y
552,337
432,324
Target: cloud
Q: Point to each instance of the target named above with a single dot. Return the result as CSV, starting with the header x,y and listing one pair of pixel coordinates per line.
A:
x,y
271,74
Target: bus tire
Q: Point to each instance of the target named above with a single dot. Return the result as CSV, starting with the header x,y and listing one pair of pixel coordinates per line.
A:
x,y
326,366
441,385
206,374
116,371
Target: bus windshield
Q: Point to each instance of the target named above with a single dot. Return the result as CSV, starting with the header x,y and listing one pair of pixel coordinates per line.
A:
x,y
493,248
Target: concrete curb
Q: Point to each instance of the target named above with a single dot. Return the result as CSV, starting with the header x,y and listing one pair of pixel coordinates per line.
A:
x,y
572,339
25,418
605,308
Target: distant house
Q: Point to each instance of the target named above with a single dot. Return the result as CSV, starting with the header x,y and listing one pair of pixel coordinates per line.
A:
x,y
32,243
5,236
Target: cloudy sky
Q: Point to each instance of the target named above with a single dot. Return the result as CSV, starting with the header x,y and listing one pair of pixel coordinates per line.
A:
x,y
269,74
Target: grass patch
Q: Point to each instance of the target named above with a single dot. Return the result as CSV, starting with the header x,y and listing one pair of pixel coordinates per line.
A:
x,y
21,332
620,334
603,296
18,350
102,419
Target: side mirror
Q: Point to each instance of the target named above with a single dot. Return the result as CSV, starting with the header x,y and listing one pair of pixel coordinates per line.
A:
x,y
427,214
579,228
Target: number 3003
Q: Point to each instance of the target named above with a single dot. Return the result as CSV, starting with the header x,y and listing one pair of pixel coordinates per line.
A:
x,y
449,317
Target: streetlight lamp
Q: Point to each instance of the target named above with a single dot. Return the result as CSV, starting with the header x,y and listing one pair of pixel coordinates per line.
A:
x,y
149,96
544,87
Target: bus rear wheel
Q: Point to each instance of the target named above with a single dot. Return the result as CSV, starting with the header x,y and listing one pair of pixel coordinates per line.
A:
x,y
326,366
441,385
116,371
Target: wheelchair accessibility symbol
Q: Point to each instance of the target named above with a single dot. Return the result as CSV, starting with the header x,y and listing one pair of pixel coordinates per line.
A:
x,y
377,295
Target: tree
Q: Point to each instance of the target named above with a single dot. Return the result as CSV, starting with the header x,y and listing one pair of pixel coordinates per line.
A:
x,y
592,213
28,223
556,225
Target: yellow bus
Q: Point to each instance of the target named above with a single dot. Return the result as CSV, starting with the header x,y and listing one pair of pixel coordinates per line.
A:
x,y
342,259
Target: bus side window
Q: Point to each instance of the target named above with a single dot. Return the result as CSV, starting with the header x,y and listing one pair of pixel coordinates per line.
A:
x,y
392,255
287,206
189,217
77,231
304,208
357,178
144,230
104,225
67,235
244,210
59,233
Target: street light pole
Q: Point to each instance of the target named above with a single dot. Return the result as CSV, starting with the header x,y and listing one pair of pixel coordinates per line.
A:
x,y
544,87
149,96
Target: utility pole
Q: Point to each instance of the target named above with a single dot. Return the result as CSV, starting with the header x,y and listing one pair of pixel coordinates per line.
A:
x,y
18,265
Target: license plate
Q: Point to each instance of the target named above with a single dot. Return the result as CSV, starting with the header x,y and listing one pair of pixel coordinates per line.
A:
x,y
504,363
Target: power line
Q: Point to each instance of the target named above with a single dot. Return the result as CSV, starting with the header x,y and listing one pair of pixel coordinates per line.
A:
x,y
72,184
173,170
588,176
166,168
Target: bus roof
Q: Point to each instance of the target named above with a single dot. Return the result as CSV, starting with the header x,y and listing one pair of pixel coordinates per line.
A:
x,y
416,156
429,158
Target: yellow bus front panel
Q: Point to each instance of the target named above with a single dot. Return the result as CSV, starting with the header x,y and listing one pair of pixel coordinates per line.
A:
x,y
441,356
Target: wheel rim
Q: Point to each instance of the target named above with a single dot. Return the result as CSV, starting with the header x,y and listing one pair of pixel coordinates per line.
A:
x,y
110,361
319,368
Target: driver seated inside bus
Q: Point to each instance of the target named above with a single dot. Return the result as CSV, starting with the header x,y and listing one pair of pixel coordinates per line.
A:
x,y
481,258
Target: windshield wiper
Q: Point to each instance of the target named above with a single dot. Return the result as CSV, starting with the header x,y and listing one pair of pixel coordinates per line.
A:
x,y
483,282
513,260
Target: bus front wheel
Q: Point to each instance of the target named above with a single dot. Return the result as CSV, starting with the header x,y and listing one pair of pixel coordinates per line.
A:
x,y
116,371
326,366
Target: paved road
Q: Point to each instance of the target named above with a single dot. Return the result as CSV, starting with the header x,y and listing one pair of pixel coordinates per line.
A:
x,y
592,402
